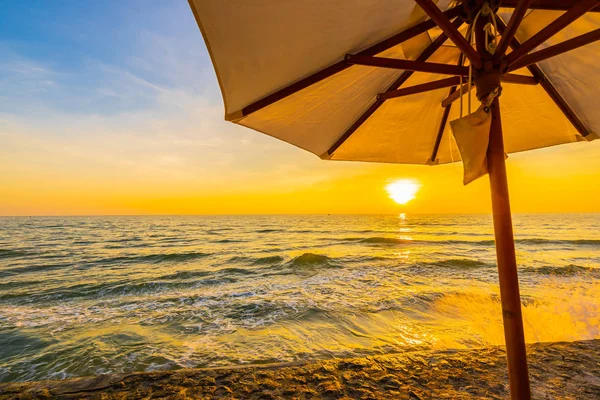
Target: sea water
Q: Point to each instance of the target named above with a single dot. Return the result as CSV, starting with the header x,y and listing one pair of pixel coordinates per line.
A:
x,y
90,295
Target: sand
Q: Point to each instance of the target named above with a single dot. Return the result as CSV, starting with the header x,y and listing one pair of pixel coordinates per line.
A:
x,y
557,370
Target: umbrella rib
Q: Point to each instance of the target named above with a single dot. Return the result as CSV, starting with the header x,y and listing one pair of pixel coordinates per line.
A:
x,y
551,5
454,95
409,65
545,83
445,115
440,132
422,88
342,65
557,49
436,44
520,79
553,28
451,31
511,29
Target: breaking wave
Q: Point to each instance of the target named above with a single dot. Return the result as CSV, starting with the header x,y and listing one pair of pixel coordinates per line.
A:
x,y
154,258
311,259
461,263
568,270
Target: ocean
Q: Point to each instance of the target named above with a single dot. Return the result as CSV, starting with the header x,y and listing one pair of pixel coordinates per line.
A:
x,y
90,295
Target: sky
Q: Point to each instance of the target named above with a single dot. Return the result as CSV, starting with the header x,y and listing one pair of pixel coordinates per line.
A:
x,y
112,107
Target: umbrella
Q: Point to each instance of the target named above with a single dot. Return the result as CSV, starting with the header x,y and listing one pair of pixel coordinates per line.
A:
x,y
385,80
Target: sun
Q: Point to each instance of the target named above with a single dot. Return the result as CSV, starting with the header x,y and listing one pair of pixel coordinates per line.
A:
x,y
403,190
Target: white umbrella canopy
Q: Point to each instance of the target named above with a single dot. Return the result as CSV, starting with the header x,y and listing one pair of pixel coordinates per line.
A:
x,y
260,48
378,81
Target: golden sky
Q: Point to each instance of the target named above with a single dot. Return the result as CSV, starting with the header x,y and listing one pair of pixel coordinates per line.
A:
x,y
131,122
109,175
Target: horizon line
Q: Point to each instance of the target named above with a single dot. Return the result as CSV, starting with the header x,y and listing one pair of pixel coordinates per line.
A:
x,y
279,214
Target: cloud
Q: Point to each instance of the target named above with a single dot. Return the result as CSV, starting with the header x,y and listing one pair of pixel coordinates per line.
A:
x,y
22,78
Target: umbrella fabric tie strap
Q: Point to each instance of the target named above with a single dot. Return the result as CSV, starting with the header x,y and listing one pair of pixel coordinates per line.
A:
x,y
472,135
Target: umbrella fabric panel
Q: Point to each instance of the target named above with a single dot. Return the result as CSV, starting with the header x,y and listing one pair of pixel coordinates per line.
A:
x,y
261,46
402,133
314,118
532,120
574,74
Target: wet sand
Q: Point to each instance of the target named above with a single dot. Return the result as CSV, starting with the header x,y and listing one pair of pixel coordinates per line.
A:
x,y
557,370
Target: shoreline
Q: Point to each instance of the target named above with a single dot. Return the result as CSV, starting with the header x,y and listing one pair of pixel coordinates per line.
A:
x,y
557,370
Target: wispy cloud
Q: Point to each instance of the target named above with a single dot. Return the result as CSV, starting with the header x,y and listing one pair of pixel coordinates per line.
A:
x,y
21,77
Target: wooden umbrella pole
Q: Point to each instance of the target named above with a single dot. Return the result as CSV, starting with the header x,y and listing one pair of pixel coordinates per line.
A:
x,y
507,264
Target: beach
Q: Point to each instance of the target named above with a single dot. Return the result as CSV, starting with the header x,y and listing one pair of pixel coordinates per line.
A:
x,y
558,371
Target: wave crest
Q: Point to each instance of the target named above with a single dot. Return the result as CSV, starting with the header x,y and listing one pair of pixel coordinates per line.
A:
x,y
385,240
311,261
461,263
567,270
577,242
156,258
